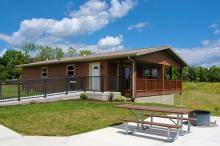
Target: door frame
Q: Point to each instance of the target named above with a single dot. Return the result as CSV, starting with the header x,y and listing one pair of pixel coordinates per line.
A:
x,y
90,74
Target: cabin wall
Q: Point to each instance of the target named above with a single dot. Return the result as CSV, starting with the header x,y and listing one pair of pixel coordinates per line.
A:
x,y
59,70
161,57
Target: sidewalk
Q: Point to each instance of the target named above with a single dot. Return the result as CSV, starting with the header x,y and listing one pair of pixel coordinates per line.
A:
x,y
113,136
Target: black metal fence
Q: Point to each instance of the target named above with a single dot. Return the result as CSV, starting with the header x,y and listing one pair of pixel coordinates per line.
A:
x,y
26,89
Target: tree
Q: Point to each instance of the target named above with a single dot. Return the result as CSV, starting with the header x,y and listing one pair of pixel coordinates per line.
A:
x,y
45,53
9,60
58,53
192,74
202,74
28,48
85,52
72,51
214,74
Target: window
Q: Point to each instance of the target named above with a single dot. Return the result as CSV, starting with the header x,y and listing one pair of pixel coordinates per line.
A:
x,y
150,72
154,72
95,67
146,72
44,72
70,70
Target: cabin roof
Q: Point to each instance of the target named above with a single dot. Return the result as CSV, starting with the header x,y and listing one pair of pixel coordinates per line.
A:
x,y
109,55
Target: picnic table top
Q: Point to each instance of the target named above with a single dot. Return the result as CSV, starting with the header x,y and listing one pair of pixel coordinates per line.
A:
x,y
154,109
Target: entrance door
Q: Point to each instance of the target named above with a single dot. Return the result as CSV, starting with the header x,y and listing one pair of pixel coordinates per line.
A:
x,y
95,76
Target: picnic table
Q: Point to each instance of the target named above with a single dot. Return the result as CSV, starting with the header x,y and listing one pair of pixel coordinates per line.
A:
x,y
140,118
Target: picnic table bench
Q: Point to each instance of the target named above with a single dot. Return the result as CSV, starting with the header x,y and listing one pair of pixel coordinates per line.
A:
x,y
141,118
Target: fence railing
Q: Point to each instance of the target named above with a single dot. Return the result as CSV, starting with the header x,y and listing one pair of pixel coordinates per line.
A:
x,y
157,85
26,89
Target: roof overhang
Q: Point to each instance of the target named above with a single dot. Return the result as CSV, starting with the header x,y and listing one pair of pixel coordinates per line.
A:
x,y
107,55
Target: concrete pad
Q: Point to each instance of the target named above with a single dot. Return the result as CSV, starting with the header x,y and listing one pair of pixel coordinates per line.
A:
x,y
6,133
209,136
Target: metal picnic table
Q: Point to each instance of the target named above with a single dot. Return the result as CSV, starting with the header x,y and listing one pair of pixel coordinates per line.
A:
x,y
141,116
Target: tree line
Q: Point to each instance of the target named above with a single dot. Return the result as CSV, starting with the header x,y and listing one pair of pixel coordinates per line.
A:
x,y
31,52
201,74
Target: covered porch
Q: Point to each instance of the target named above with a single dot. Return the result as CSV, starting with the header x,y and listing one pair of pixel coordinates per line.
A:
x,y
148,75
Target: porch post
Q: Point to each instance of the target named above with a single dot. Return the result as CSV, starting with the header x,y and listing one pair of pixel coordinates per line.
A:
x,y
162,75
134,74
120,75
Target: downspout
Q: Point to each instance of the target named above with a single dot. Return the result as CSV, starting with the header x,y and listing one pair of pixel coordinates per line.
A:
x,y
133,77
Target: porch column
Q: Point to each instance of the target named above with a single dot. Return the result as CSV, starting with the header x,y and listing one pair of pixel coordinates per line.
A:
x,y
120,75
134,75
162,75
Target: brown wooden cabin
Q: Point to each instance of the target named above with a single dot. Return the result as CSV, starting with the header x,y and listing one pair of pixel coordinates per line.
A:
x,y
134,73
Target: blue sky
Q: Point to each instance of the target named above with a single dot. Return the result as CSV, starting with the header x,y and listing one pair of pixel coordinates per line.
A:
x,y
191,27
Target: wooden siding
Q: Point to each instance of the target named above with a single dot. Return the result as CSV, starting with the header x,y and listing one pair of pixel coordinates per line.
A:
x,y
59,70
161,57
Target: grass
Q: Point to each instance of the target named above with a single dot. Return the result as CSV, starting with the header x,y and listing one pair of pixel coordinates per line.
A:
x,y
73,117
205,96
61,118
11,91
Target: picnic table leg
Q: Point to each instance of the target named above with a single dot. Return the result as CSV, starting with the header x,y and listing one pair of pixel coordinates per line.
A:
x,y
189,124
181,124
126,127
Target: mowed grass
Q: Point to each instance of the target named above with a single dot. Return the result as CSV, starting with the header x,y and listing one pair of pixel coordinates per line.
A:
x,y
205,96
12,91
73,117
61,118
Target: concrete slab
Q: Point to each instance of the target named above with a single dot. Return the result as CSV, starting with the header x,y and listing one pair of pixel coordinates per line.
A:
x,y
116,136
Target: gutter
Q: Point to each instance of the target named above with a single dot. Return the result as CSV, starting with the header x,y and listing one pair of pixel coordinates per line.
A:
x,y
133,77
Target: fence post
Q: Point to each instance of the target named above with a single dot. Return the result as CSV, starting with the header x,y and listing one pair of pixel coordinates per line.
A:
x,y
102,83
45,88
0,89
19,91
66,85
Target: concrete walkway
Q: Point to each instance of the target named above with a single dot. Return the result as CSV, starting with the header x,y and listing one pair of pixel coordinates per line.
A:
x,y
114,136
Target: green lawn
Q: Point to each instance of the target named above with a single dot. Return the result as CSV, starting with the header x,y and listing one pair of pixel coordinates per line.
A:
x,y
204,96
11,91
61,118
76,116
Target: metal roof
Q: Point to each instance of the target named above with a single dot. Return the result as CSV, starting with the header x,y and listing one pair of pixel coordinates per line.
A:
x,y
106,55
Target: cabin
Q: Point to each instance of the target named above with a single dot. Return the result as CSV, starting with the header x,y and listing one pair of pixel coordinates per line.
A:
x,y
134,73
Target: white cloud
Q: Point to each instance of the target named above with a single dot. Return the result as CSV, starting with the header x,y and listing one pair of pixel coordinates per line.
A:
x,y
139,26
105,44
214,25
110,41
120,8
206,42
2,52
92,16
217,31
207,54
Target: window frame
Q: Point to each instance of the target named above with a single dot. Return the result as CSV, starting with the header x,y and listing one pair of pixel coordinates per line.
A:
x,y
74,70
44,72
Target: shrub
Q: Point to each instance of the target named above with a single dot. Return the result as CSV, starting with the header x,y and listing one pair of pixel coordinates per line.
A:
x,y
120,98
83,96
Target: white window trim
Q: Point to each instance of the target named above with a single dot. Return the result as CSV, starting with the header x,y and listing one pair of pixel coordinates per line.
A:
x,y
42,72
74,71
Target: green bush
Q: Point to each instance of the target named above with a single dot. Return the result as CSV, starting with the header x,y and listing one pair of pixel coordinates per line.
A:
x,y
83,96
120,98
